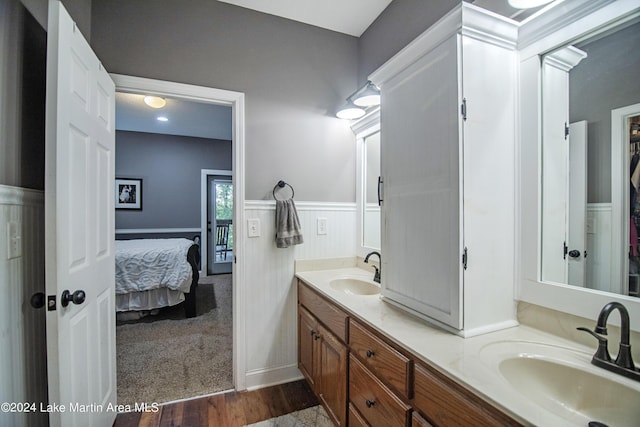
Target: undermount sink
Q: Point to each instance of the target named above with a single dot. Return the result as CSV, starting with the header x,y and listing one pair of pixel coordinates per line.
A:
x,y
355,286
563,381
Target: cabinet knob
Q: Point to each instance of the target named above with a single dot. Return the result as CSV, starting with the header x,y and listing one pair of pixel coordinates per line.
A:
x,y
370,403
370,353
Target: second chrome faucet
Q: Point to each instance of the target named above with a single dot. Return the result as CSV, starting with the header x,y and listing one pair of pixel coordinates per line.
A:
x,y
376,275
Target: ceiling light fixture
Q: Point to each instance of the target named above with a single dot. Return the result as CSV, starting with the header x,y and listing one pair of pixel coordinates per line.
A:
x,y
162,119
155,101
367,96
527,4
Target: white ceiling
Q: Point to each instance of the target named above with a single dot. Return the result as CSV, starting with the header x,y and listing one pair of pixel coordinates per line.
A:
x,y
351,17
187,118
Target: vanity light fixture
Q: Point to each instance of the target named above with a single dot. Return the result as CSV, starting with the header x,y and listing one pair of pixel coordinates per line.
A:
x,y
155,101
350,111
367,96
527,4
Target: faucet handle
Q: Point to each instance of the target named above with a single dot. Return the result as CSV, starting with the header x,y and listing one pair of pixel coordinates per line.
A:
x,y
602,352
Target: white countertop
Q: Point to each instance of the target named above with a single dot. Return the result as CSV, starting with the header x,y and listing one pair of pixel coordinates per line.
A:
x,y
461,359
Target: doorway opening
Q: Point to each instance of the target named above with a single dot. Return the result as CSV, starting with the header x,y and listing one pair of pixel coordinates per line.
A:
x,y
228,282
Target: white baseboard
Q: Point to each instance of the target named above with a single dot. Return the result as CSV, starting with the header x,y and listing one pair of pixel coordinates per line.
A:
x,y
268,377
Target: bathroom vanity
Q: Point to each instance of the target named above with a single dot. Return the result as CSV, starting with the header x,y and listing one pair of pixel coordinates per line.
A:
x,y
372,364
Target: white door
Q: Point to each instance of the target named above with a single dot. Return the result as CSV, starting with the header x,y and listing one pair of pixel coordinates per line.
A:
x,y
79,227
577,241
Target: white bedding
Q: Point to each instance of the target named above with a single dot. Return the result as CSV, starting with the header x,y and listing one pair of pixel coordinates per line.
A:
x,y
147,264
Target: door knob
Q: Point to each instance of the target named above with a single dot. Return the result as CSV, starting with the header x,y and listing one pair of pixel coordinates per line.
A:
x,y
77,297
574,253
37,300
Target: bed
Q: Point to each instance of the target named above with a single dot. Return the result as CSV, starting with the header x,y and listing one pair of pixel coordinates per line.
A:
x,y
156,273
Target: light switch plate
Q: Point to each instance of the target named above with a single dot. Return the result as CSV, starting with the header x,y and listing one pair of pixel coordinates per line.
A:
x,y
14,240
253,227
322,226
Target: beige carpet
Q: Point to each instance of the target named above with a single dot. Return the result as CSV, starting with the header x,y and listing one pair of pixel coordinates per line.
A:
x,y
310,417
167,357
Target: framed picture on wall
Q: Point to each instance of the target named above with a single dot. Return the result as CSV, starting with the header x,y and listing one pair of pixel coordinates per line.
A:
x,y
128,193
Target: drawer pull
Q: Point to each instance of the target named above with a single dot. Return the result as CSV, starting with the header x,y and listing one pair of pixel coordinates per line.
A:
x,y
370,403
370,353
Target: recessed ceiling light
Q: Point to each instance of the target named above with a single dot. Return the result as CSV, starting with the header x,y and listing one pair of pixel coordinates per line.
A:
x,y
162,119
155,101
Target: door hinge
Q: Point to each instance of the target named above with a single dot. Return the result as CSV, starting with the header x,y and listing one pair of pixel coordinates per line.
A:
x,y
566,130
464,258
235,260
463,109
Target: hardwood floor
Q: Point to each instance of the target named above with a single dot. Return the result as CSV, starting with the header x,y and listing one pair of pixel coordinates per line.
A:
x,y
226,410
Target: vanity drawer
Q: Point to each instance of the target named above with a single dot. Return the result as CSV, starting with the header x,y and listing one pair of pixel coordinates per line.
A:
x,y
331,316
373,400
445,403
391,366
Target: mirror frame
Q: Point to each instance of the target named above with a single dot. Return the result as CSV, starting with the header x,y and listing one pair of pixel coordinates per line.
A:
x,y
566,22
362,128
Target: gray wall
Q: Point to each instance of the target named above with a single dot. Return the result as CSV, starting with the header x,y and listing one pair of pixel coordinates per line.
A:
x,y
23,50
23,45
400,23
170,170
80,11
607,79
294,76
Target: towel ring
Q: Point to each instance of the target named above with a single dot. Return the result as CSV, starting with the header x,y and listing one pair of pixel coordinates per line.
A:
x,y
281,184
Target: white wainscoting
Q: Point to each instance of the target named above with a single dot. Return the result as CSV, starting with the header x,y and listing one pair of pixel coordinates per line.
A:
x,y
271,316
599,246
23,363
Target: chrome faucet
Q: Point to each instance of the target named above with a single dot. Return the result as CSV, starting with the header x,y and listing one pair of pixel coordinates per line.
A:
x,y
623,364
376,275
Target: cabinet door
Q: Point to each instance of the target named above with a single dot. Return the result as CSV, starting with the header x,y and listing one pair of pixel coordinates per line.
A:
x,y
307,348
420,159
333,376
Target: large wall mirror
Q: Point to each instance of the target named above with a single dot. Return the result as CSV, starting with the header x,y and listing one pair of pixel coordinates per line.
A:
x,y
371,209
587,173
579,102
367,132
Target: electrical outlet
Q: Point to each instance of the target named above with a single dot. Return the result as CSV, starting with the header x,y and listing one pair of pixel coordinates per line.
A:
x,y
14,240
253,226
322,226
